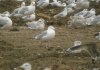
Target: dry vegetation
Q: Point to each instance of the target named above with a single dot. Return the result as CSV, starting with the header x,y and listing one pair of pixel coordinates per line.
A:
x,y
17,47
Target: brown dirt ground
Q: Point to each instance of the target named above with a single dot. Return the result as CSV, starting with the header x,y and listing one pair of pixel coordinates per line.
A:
x,y
17,47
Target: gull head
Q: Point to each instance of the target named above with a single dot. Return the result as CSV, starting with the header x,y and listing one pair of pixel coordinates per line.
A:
x,y
23,4
41,20
76,43
59,2
64,4
26,66
93,9
51,27
33,3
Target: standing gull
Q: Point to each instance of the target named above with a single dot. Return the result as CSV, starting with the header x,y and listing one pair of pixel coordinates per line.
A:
x,y
15,12
27,10
46,35
61,14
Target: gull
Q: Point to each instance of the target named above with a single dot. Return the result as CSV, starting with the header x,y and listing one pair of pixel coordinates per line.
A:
x,y
46,35
58,3
26,10
55,3
79,0
90,48
90,20
62,5
40,24
70,1
70,10
15,12
26,66
96,20
29,17
42,3
82,5
73,4
5,22
77,21
90,13
62,14
83,12
97,1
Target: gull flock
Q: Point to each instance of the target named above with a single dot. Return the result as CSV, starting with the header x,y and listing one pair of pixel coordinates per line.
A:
x,y
81,17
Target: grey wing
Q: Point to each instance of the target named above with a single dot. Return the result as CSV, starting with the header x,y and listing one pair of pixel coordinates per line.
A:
x,y
24,9
3,22
15,12
61,14
41,34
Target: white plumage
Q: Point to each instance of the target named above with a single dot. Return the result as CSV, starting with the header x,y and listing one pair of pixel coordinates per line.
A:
x,y
40,24
42,3
26,66
77,43
47,34
27,10
5,22
15,12
29,17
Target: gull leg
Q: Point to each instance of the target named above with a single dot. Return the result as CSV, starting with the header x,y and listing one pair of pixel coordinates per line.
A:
x,y
47,45
41,44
